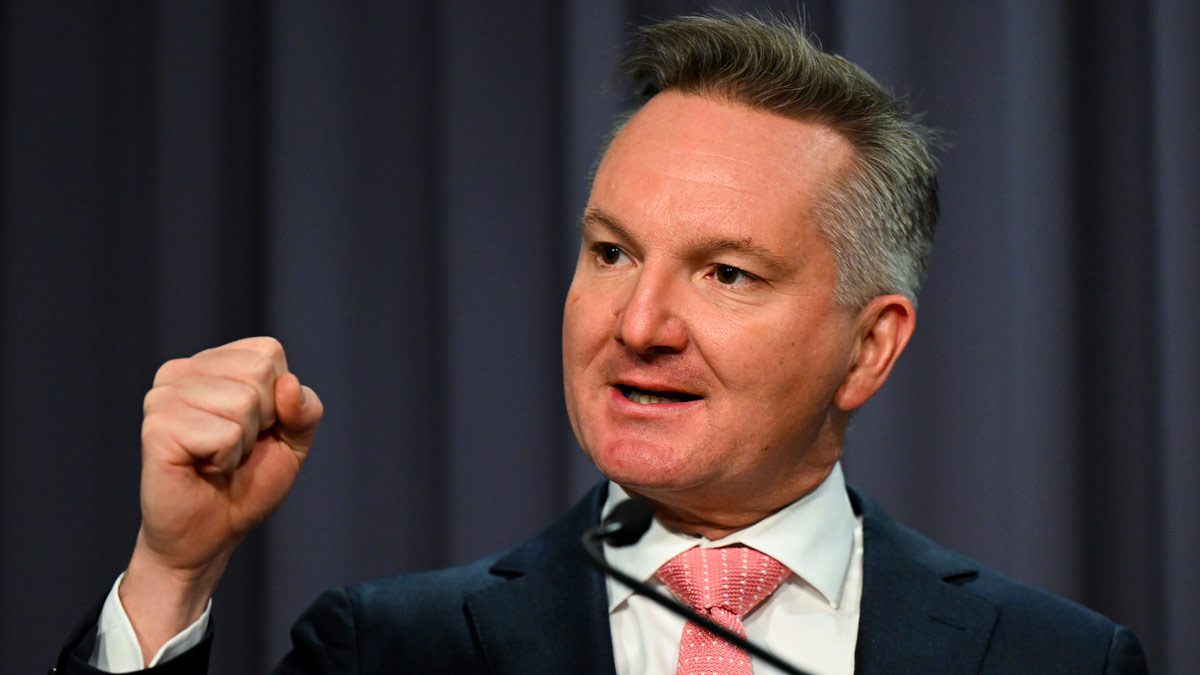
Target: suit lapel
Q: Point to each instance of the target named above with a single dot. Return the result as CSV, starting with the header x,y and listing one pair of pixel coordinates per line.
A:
x,y
551,613
914,617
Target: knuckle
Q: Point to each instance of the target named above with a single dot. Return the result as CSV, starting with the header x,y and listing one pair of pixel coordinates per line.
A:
x,y
262,368
244,398
269,346
169,371
154,398
156,427
150,425
272,344
228,434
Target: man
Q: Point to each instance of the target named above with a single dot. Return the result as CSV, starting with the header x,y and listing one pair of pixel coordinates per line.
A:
x,y
752,249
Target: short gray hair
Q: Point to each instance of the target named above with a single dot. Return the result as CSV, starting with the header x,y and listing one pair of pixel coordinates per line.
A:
x,y
878,213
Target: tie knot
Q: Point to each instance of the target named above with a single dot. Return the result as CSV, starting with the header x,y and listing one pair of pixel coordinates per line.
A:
x,y
734,578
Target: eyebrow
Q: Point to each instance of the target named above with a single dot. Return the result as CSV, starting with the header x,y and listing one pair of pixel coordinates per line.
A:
x,y
745,246
595,216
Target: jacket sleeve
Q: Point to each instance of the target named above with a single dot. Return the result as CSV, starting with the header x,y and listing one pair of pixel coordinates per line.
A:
x,y
324,641
1125,655
73,659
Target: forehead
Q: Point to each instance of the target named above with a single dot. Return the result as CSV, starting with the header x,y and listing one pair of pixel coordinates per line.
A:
x,y
696,162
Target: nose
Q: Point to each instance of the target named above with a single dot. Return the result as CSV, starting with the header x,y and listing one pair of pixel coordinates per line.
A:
x,y
649,321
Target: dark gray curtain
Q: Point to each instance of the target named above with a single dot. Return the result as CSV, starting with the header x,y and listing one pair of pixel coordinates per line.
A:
x,y
391,189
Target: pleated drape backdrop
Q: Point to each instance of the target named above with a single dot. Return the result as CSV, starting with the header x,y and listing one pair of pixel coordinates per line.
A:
x,y
392,189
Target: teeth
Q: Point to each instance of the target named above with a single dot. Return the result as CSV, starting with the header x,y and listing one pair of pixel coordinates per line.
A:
x,y
646,399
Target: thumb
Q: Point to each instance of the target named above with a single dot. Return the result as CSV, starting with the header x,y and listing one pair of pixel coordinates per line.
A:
x,y
298,410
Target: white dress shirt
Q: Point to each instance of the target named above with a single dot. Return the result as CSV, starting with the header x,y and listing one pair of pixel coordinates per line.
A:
x,y
117,649
811,620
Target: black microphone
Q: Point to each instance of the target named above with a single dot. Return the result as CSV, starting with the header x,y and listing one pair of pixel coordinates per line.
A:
x,y
626,524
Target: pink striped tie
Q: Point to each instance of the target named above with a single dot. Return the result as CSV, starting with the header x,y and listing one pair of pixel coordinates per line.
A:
x,y
725,584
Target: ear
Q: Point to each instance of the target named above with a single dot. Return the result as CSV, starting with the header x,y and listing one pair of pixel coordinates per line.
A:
x,y
884,327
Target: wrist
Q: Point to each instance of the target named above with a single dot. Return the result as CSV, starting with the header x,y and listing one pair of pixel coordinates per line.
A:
x,y
161,600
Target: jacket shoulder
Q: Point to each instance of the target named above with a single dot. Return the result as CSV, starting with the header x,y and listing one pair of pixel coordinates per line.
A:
x,y
420,621
404,623
1032,628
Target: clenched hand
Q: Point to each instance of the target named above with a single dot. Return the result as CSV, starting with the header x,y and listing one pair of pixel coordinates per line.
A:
x,y
223,437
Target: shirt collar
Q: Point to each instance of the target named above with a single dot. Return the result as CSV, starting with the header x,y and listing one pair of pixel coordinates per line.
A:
x,y
813,537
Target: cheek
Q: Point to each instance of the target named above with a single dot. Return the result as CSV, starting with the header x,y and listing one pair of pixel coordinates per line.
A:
x,y
749,354
582,323
570,339
574,360
793,366
586,330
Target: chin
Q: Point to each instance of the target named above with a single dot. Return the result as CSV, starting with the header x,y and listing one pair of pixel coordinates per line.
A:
x,y
644,466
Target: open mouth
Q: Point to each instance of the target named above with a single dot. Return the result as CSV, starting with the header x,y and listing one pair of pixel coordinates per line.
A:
x,y
648,396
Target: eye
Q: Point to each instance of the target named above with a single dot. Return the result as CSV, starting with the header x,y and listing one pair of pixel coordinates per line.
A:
x,y
731,276
608,254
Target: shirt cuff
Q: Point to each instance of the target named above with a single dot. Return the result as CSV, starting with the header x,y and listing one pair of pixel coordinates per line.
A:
x,y
117,649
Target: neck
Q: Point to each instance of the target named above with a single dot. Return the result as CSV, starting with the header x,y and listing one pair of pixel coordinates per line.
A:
x,y
715,518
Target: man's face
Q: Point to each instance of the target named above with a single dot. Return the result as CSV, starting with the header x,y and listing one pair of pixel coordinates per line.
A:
x,y
702,346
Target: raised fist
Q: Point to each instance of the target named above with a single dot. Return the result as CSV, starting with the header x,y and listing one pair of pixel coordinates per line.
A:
x,y
224,435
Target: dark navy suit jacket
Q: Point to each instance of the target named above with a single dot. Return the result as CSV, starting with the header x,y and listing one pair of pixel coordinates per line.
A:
x,y
541,608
